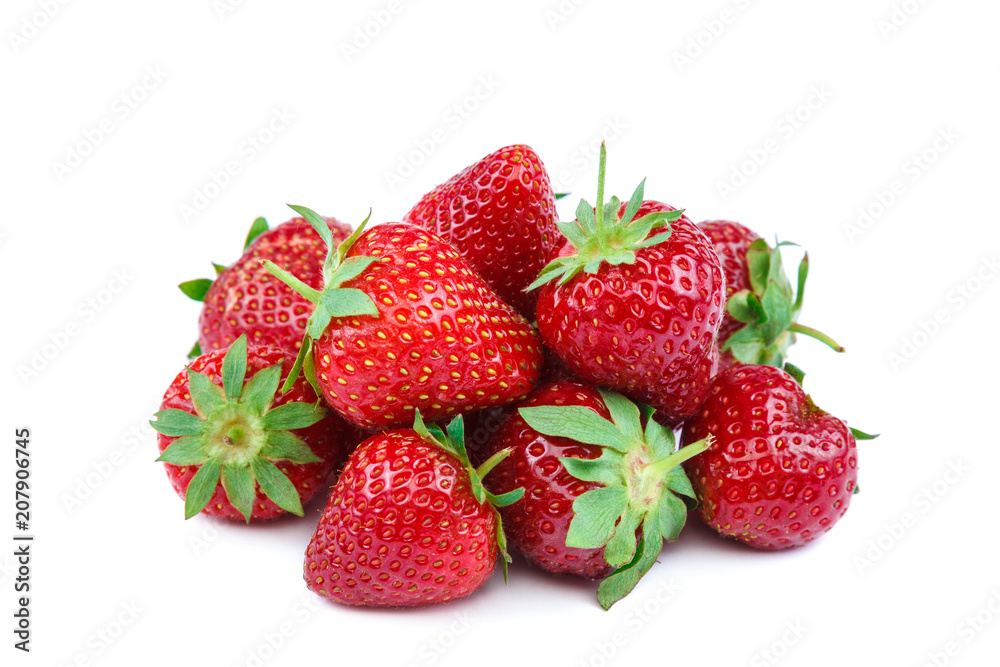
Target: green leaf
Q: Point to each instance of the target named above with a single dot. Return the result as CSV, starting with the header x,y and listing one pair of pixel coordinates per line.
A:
x,y
577,423
286,446
573,232
478,490
317,222
585,216
190,450
637,232
338,255
346,302
634,202
622,581
300,358
455,435
489,464
624,413
657,220
607,469
258,227
746,345
352,267
292,416
555,269
501,545
421,427
308,293
202,487
561,195
505,499
196,289
795,372
438,437
258,394
240,487
195,351
234,368
678,482
276,486
595,514
801,287
759,264
318,321
205,394
309,370
779,315
173,422
656,239
861,435
660,439
745,306
621,547
672,515
219,268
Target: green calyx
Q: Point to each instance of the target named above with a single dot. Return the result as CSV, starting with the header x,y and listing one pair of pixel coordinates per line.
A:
x,y
198,288
643,488
452,440
333,300
600,235
236,436
769,309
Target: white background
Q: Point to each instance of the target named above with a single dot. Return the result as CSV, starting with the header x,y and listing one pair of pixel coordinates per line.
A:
x,y
119,578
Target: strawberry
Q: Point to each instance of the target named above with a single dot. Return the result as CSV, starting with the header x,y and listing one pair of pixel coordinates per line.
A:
x,y
602,491
760,324
500,215
636,308
235,449
781,471
245,299
408,523
404,323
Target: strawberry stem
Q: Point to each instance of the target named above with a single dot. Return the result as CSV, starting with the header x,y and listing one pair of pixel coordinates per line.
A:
x,y
659,468
599,209
818,335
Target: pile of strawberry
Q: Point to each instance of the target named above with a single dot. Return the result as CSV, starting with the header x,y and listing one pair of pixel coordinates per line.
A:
x,y
481,372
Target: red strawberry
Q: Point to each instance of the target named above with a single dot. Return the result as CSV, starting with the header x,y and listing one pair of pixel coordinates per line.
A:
x,y
596,481
500,215
760,324
636,309
237,450
537,525
246,299
404,323
409,523
782,471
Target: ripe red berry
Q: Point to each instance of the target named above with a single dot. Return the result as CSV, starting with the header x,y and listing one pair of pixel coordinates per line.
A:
x,y
500,215
537,526
781,472
636,309
404,324
246,299
235,448
408,523
603,484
